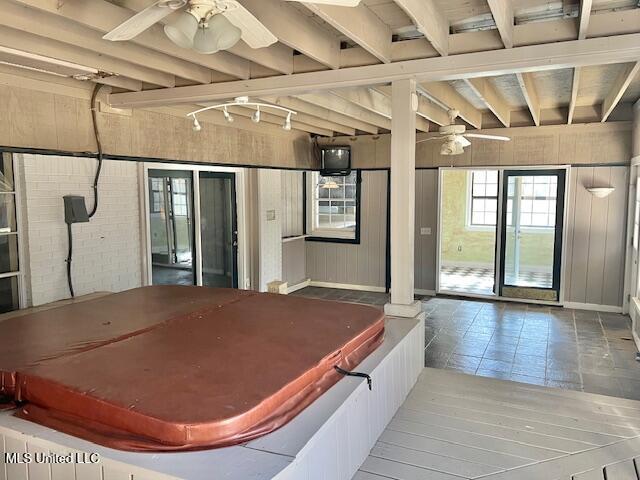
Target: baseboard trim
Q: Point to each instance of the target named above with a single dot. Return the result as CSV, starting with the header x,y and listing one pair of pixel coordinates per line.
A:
x,y
298,286
593,307
347,286
430,293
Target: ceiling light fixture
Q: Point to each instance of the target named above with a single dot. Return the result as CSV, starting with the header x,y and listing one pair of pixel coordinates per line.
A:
x,y
225,112
244,102
255,118
287,122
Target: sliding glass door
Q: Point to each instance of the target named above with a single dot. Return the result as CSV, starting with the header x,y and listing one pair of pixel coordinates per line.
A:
x,y
171,227
531,234
218,229
193,233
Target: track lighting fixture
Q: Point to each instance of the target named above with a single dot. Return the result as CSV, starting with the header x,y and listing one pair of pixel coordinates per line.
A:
x,y
255,118
244,102
227,115
287,122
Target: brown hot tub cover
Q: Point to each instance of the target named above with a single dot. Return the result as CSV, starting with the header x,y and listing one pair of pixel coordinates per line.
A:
x,y
202,374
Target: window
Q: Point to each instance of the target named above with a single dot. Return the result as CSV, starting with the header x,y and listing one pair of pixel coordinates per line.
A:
x,y
9,253
157,194
538,196
483,198
333,205
179,186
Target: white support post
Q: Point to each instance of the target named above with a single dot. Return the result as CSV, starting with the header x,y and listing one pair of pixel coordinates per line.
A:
x,y
403,197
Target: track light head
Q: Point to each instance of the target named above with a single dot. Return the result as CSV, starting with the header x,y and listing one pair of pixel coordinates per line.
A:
x,y
255,118
196,124
287,122
227,115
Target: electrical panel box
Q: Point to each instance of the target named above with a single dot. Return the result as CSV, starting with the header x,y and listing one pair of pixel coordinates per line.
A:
x,y
75,210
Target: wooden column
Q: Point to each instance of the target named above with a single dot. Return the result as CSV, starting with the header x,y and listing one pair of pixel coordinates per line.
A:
x,y
403,198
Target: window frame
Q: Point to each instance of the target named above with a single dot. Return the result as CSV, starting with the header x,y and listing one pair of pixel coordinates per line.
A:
x,y
17,205
314,234
537,228
469,211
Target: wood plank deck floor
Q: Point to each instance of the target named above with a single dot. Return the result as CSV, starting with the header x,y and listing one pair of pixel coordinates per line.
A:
x,y
455,426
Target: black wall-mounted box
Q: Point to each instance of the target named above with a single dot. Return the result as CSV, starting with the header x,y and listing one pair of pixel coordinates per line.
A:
x,y
75,210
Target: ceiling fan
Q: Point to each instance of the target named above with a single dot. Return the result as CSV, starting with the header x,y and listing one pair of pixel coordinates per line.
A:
x,y
207,26
455,138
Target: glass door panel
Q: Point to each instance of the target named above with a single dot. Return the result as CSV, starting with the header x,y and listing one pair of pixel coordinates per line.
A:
x,y
218,229
532,234
171,227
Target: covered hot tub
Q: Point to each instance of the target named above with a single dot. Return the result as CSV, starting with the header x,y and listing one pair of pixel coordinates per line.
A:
x,y
180,368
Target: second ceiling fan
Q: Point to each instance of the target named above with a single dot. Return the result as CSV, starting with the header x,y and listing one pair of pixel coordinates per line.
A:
x,y
206,26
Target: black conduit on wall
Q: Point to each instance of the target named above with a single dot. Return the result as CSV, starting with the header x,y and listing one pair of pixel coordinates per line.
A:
x,y
96,133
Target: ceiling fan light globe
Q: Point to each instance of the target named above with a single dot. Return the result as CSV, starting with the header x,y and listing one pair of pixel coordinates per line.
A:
x,y
221,33
182,30
205,41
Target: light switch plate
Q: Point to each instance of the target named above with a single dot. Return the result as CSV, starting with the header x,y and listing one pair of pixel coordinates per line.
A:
x,y
425,231
271,215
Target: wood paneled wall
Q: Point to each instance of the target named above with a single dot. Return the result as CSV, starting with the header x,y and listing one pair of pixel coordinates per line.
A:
x,y
596,236
292,203
362,264
547,145
426,217
294,262
35,118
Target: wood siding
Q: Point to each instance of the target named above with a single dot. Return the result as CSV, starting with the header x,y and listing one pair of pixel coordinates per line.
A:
x,y
547,145
292,203
294,262
426,217
595,236
363,264
46,120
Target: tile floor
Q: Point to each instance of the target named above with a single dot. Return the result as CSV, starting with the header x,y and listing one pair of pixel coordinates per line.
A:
x,y
552,346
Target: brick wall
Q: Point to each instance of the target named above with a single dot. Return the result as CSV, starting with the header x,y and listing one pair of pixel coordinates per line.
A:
x,y
107,253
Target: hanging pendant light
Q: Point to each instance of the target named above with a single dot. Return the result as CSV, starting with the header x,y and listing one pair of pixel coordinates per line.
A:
x,y
255,118
329,184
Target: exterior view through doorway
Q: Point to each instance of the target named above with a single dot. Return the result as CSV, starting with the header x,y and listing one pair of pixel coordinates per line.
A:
x,y
501,233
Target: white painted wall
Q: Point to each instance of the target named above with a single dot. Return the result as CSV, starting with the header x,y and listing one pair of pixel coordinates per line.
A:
x,y
269,231
106,251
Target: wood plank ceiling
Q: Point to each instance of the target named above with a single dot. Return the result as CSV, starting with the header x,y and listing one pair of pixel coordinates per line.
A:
x,y
314,37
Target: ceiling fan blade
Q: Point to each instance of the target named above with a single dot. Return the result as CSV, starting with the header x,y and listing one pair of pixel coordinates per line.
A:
x,y
139,22
487,137
337,3
254,33
462,141
429,139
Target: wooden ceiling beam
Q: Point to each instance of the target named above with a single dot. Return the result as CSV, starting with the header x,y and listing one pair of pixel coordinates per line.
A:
x,y
105,16
583,18
296,30
592,51
502,11
485,90
375,101
359,24
430,22
46,47
530,93
347,108
619,87
56,27
277,57
575,85
448,98
323,113
426,109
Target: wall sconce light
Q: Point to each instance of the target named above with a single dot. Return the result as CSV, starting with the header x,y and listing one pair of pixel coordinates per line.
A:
x,y
600,192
